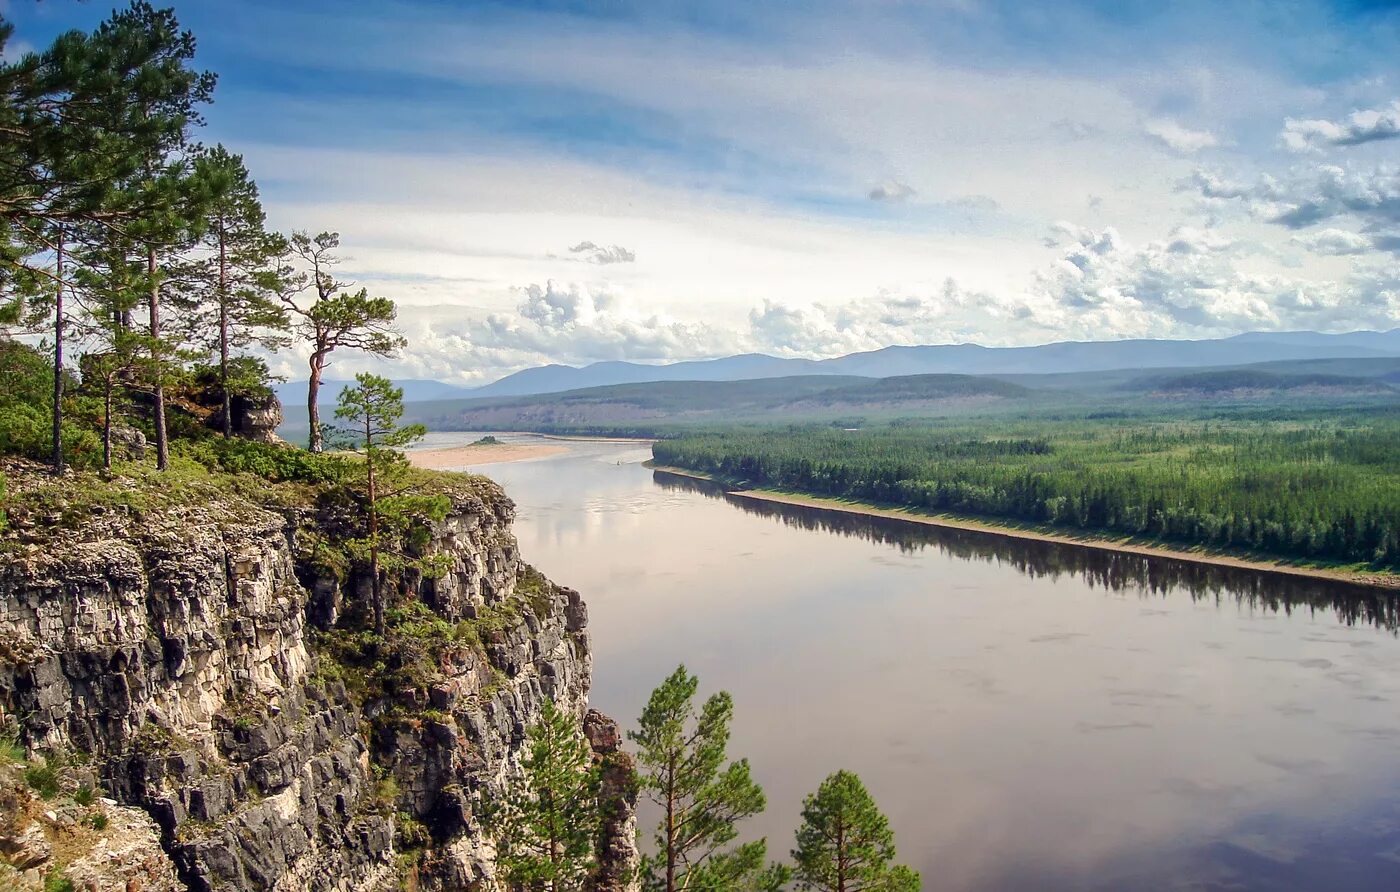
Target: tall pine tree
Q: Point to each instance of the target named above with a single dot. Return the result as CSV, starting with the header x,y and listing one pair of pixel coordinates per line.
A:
x,y
681,765
547,826
845,844
230,286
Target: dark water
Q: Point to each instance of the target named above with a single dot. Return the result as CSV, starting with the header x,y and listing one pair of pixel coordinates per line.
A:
x,y
1031,716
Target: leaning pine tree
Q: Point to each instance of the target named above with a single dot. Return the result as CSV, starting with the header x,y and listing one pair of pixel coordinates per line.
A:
x,y
328,317
845,844
547,826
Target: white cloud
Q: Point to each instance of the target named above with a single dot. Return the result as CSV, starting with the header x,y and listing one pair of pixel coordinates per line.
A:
x,y
1334,242
1313,194
1178,138
604,254
1362,126
1195,283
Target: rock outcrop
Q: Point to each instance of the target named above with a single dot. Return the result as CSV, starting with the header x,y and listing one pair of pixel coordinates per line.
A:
x,y
191,657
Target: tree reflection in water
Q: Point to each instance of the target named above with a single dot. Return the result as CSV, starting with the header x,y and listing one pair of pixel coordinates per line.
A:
x,y
1149,576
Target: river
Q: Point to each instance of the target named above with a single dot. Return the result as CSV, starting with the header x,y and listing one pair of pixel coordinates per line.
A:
x,y
1031,716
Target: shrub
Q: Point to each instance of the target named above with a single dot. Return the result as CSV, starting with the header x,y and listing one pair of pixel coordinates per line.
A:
x,y
44,779
277,463
57,882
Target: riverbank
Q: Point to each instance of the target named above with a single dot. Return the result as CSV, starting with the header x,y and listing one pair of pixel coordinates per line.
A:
x,y
1125,544
480,454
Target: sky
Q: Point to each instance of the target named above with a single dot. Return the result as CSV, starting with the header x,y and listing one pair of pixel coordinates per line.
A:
x,y
653,181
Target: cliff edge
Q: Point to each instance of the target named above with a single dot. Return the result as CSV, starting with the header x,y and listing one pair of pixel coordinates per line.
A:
x,y
195,655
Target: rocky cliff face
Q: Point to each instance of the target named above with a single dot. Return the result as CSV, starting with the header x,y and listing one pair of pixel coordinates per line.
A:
x,y
194,656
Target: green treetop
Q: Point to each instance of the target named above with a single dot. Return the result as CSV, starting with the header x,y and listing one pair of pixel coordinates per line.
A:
x,y
373,408
845,844
547,826
681,763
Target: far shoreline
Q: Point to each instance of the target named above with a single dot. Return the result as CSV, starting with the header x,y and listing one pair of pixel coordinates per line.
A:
x,y
1387,582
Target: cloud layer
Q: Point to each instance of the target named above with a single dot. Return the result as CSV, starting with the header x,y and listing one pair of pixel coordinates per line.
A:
x,y
571,182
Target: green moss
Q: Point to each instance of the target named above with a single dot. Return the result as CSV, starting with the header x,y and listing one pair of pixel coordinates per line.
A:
x,y
535,589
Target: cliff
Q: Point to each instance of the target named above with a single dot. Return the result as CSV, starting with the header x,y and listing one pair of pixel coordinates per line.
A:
x,y
194,658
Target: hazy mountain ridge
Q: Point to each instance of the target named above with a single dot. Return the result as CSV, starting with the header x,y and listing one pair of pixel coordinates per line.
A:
x,y
1060,357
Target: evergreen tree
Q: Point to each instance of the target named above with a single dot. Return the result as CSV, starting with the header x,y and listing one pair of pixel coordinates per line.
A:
x,y
329,317
164,102
373,408
681,764
231,289
547,827
845,844
98,125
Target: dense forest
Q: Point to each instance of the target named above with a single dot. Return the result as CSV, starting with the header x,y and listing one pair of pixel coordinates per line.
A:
x,y
128,245
1319,489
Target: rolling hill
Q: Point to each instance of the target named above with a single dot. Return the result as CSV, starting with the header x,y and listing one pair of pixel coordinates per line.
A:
x,y
767,398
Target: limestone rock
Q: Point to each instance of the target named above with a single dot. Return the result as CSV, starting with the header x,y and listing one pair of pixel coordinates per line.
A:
x,y
176,652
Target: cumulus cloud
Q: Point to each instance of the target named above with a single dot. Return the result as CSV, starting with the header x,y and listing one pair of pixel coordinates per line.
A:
x,y
941,314
1192,283
892,191
1335,242
1362,126
1308,196
1180,139
603,254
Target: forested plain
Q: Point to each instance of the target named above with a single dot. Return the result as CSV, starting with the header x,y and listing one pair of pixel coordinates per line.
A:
x,y
1319,486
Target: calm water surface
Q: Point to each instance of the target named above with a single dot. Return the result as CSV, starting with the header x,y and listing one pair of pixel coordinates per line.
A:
x,y
1030,716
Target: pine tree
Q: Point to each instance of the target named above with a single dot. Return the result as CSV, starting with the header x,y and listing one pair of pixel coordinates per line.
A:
x,y
547,827
374,407
680,761
230,291
845,844
159,108
329,317
87,124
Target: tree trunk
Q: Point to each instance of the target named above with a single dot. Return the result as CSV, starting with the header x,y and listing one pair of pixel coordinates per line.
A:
x,y
157,361
313,391
107,424
58,363
671,824
223,333
375,588
840,855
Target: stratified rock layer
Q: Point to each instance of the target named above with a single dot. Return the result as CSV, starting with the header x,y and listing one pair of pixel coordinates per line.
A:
x,y
176,652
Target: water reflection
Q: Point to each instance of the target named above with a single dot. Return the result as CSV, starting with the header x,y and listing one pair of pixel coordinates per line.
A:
x,y
1031,716
1150,576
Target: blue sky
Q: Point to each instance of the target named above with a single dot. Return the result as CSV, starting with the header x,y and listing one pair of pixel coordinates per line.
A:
x,y
654,181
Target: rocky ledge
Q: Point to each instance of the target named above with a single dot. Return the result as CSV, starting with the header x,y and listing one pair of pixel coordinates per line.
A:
x,y
193,664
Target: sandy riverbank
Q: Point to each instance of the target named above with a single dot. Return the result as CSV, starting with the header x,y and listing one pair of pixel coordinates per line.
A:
x,y
480,454
1125,545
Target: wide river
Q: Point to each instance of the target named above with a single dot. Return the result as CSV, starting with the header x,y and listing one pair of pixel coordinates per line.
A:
x,y
1030,716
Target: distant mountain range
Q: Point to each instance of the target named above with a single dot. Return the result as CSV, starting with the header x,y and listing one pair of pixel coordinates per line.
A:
x,y
968,359
1065,357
